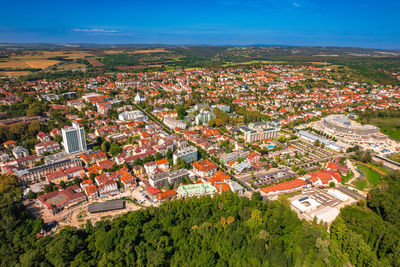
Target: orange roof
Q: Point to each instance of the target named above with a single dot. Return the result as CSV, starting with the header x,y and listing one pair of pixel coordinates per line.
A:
x,y
91,189
222,187
161,161
9,142
166,194
204,165
219,176
284,186
87,181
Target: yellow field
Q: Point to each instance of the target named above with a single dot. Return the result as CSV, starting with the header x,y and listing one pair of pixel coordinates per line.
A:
x,y
13,64
253,62
71,66
67,54
48,54
41,60
16,73
40,64
111,52
145,51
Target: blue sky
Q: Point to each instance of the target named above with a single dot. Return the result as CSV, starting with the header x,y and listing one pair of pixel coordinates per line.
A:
x,y
289,22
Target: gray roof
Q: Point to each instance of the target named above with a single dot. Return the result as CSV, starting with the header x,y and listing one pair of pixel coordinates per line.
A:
x,y
106,206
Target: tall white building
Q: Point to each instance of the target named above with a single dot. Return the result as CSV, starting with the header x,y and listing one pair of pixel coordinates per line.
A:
x,y
74,140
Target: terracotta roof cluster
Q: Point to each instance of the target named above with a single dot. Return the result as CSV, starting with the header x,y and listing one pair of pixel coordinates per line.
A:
x,y
59,198
94,156
219,177
325,176
166,194
55,175
204,165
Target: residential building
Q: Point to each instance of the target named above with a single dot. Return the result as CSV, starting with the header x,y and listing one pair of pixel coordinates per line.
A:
x,y
57,176
93,158
35,173
233,156
204,117
172,123
173,177
259,132
47,146
189,154
108,188
20,152
74,140
204,168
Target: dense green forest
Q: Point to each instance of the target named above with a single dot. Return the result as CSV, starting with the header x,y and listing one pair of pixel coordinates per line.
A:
x,y
226,230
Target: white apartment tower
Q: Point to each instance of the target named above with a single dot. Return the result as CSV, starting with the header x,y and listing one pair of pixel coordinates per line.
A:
x,y
74,138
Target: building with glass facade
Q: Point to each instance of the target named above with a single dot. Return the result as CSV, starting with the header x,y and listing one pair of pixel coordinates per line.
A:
x,y
74,140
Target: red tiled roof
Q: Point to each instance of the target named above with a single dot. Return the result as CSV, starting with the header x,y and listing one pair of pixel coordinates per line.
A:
x,y
153,190
166,194
204,165
284,186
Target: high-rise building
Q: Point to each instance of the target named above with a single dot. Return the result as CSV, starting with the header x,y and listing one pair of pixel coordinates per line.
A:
x,y
74,138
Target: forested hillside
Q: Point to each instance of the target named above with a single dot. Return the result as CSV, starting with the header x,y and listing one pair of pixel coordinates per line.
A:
x,y
226,230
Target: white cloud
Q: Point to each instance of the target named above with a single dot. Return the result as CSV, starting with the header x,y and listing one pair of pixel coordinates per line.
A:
x,y
296,4
95,30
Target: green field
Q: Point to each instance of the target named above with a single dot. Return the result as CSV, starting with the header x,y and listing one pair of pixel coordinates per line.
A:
x,y
389,126
360,184
370,178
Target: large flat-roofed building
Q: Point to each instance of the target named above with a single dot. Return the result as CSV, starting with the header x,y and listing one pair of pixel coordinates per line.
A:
x,y
74,140
189,154
56,201
173,177
312,138
134,115
106,206
200,189
172,123
233,156
339,123
259,131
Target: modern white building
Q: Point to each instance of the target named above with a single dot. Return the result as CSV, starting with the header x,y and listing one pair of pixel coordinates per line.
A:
x,y
172,123
260,131
74,140
134,115
203,117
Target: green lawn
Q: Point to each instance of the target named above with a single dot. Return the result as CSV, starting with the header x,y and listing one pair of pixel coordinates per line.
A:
x,y
370,178
360,184
389,126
